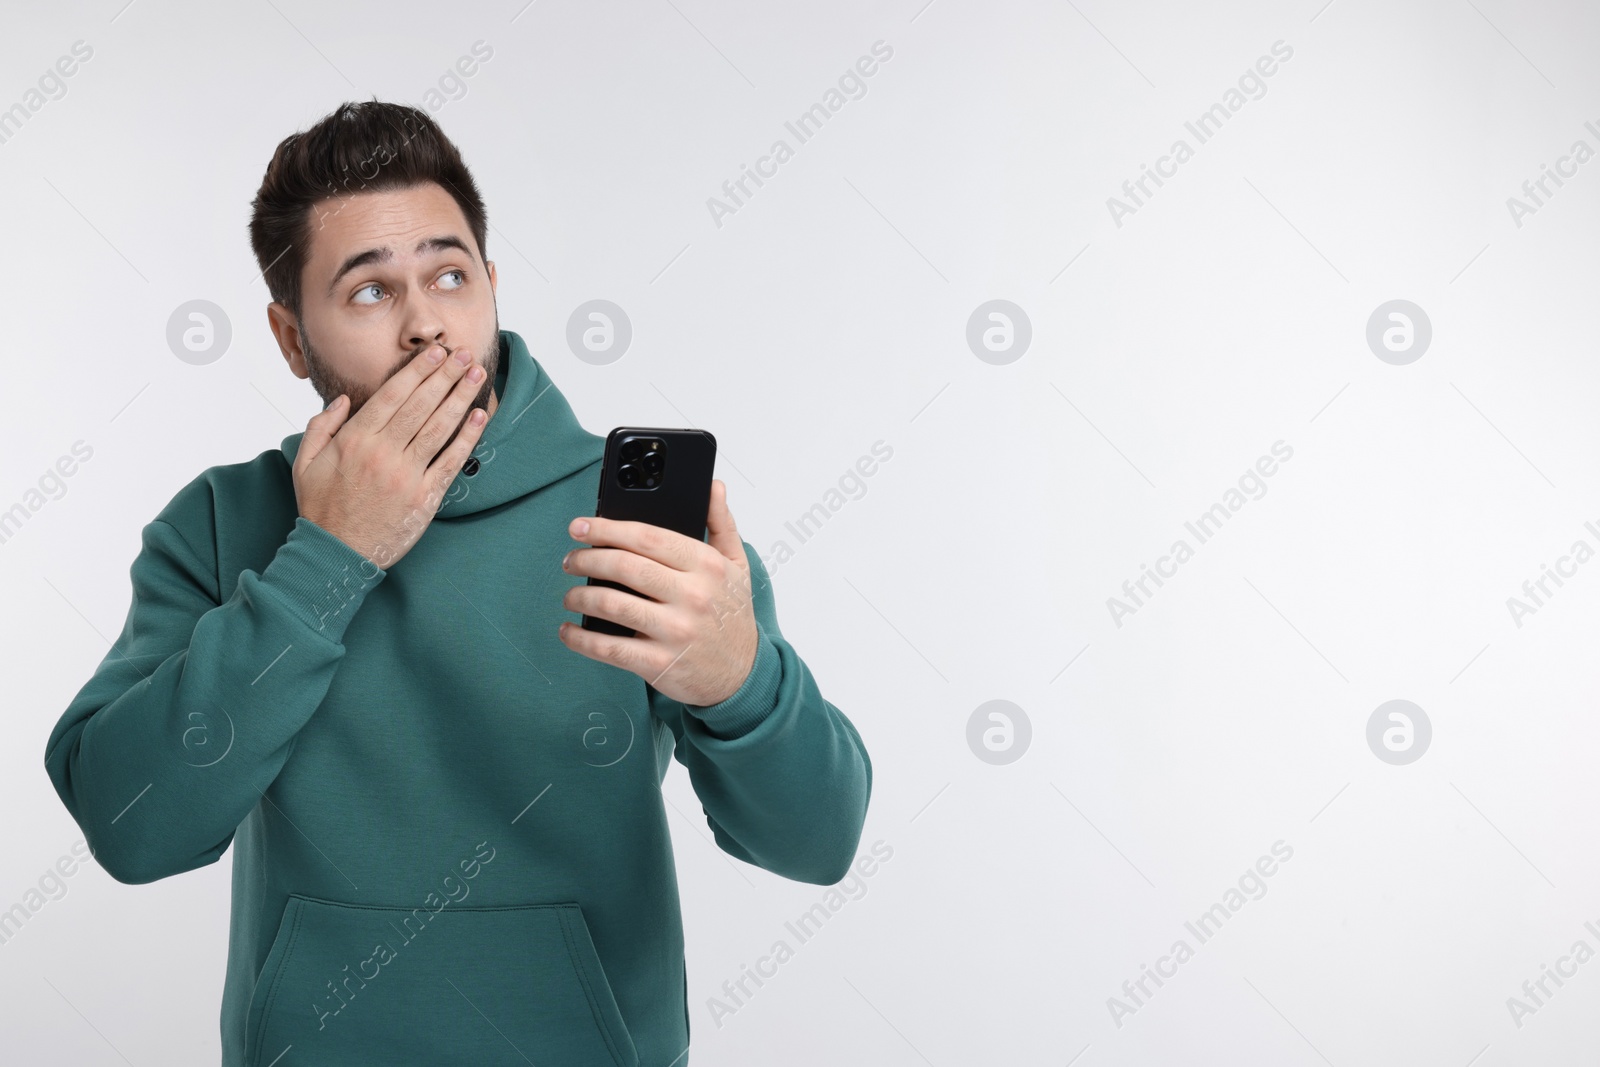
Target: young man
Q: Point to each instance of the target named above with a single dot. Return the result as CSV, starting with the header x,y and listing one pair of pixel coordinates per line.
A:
x,y
344,658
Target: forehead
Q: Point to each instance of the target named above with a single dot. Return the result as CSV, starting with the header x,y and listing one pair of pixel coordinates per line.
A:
x,y
342,226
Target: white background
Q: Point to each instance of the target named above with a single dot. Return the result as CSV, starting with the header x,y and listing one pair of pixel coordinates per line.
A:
x,y
1168,353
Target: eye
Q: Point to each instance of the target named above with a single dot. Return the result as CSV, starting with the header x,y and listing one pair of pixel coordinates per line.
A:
x,y
367,289
461,273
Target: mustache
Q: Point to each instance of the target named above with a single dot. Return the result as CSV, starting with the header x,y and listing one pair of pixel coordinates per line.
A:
x,y
417,351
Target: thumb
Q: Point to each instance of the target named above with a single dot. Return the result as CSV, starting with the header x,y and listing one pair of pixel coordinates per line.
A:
x,y
722,534
321,428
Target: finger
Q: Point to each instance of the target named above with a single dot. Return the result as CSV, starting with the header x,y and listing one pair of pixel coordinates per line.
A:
x,y
644,576
445,418
667,547
606,648
394,392
320,430
722,534
637,613
451,460
426,398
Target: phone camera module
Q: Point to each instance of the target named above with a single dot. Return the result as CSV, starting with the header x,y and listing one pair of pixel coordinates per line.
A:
x,y
643,463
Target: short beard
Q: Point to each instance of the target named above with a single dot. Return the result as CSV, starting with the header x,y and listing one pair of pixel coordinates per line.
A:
x,y
329,384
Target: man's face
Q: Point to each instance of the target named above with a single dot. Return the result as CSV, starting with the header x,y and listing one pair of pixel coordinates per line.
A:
x,y
371,300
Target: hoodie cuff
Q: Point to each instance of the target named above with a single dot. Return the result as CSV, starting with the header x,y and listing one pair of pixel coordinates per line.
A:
x,y
321,579
754,700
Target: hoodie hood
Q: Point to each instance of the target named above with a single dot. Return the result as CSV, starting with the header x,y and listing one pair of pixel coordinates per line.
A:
x,y
533,439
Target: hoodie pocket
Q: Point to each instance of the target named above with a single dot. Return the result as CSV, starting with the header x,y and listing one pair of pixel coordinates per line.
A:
x,y
355,984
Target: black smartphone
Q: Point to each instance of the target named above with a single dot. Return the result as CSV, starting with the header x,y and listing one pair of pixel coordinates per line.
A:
x,y
654,475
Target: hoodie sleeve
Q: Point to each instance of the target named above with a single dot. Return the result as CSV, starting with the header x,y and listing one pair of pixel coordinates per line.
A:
x,y
782,775
194,710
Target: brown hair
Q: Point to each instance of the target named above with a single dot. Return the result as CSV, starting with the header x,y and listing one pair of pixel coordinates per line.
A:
x,y
370,145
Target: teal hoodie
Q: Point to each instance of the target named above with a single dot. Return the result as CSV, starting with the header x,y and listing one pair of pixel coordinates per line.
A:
x,y
450,843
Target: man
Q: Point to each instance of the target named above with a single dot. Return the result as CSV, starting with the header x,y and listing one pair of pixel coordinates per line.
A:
x,y
344,658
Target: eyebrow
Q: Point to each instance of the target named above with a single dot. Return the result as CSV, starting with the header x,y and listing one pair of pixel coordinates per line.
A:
x,y
386,254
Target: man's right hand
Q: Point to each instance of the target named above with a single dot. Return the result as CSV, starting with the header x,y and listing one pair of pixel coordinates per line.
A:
x,y
374,481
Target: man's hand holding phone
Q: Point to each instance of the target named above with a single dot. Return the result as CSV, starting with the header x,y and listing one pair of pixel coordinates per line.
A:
x,y
374,480
696,635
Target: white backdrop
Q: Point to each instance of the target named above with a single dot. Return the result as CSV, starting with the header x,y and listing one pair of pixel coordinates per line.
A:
x,y
1158,756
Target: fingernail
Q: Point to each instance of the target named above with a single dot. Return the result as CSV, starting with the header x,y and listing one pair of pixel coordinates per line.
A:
x,y
435,354
462,356
475,374
581,528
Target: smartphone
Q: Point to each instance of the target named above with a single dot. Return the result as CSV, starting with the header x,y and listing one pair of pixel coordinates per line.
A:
x,y
654,475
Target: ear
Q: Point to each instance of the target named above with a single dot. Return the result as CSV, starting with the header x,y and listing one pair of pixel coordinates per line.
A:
x,y
282,324
494,283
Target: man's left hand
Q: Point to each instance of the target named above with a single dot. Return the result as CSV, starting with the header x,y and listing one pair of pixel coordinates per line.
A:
x,y
695,633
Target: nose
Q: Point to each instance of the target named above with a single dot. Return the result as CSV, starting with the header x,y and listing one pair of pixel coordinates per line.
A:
x,y
419,322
